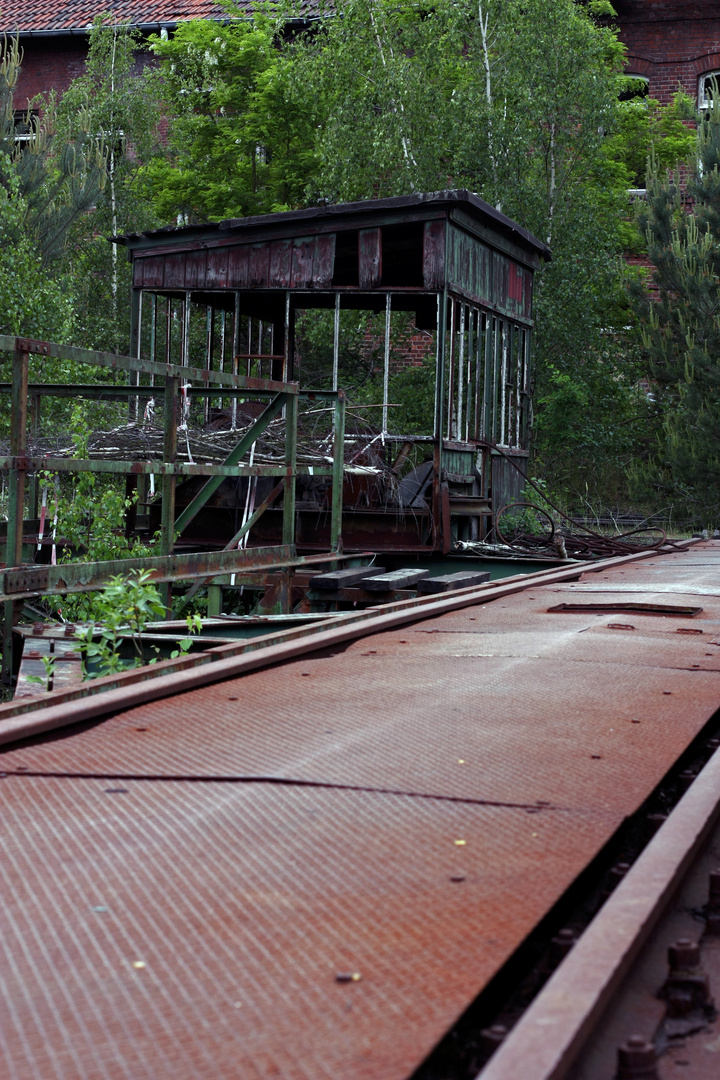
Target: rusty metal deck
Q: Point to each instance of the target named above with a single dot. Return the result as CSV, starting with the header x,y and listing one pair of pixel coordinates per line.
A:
x,y
184,880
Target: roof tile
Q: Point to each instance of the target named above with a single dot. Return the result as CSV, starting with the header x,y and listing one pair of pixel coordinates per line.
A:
x,y
58,15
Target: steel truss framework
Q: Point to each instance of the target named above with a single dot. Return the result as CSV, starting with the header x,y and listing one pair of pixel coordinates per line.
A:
x,y
282,397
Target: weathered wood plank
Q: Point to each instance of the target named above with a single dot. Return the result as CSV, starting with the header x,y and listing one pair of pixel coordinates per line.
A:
x,y
370,258
32,677
396,579
324,261
302,262
339,579
448,582
216,276
434,255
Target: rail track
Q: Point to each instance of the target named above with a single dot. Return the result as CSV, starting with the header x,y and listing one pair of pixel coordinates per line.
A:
x,y
363,851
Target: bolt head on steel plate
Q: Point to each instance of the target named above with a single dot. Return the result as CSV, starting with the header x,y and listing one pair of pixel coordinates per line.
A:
x,y
684,955
636,1060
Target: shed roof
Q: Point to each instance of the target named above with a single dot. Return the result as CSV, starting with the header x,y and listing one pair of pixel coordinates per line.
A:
x,y
347,214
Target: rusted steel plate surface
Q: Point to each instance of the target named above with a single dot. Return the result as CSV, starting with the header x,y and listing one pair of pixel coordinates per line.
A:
x,y
255,837
163,929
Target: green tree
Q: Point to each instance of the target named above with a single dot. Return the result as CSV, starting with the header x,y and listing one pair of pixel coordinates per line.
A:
x,y
241,139
680,327
116,95
46,185
516,100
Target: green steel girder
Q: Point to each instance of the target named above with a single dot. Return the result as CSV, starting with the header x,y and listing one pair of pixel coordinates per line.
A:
x,y
136,364
242,448
156,468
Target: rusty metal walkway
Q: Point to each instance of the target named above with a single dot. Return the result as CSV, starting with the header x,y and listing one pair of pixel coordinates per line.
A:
x,y
184,881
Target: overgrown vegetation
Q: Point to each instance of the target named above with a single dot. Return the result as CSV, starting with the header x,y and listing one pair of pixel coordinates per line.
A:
x,y
522,101
680,331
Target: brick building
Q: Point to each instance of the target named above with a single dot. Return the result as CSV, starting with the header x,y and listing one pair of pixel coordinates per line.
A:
x,y
54,33
671,43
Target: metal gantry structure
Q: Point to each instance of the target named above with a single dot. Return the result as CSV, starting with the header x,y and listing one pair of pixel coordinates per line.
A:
x,y
462,271
22,582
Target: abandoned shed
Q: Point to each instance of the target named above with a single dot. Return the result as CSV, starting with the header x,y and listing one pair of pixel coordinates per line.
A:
x,y
231,296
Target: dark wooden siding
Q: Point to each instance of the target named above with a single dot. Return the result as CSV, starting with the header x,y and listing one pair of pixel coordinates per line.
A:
x,y
488,276
303,263
434,255
370,258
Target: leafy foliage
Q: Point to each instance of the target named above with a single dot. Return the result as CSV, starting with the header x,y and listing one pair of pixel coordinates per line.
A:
x,y
680,329
58,179
116,96
125,604
240,126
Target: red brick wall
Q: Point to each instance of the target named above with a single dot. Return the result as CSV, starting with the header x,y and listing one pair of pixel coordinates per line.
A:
x,y
670,42
49,64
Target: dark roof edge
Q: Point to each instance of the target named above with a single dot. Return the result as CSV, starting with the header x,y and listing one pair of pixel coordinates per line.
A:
x,y
448,197
84,31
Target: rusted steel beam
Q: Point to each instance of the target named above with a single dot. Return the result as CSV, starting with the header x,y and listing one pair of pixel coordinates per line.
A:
x,y
152,683
547,1040
147,367
26,582
111,392
242,531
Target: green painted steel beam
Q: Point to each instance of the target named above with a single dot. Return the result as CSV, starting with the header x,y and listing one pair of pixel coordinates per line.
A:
x,y
156,468
147,367
234,457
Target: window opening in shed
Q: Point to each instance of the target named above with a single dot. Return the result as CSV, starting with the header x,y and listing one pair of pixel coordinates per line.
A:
x,y
346,259
402,255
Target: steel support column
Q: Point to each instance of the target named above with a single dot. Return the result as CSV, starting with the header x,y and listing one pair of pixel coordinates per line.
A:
x,y
167,526
16,502
338,472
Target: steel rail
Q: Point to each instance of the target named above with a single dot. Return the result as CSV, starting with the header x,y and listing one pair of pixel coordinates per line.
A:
x,y
113,693
546,1042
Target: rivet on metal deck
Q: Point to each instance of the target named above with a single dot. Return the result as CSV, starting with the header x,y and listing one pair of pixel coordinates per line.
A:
x,y
184,881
